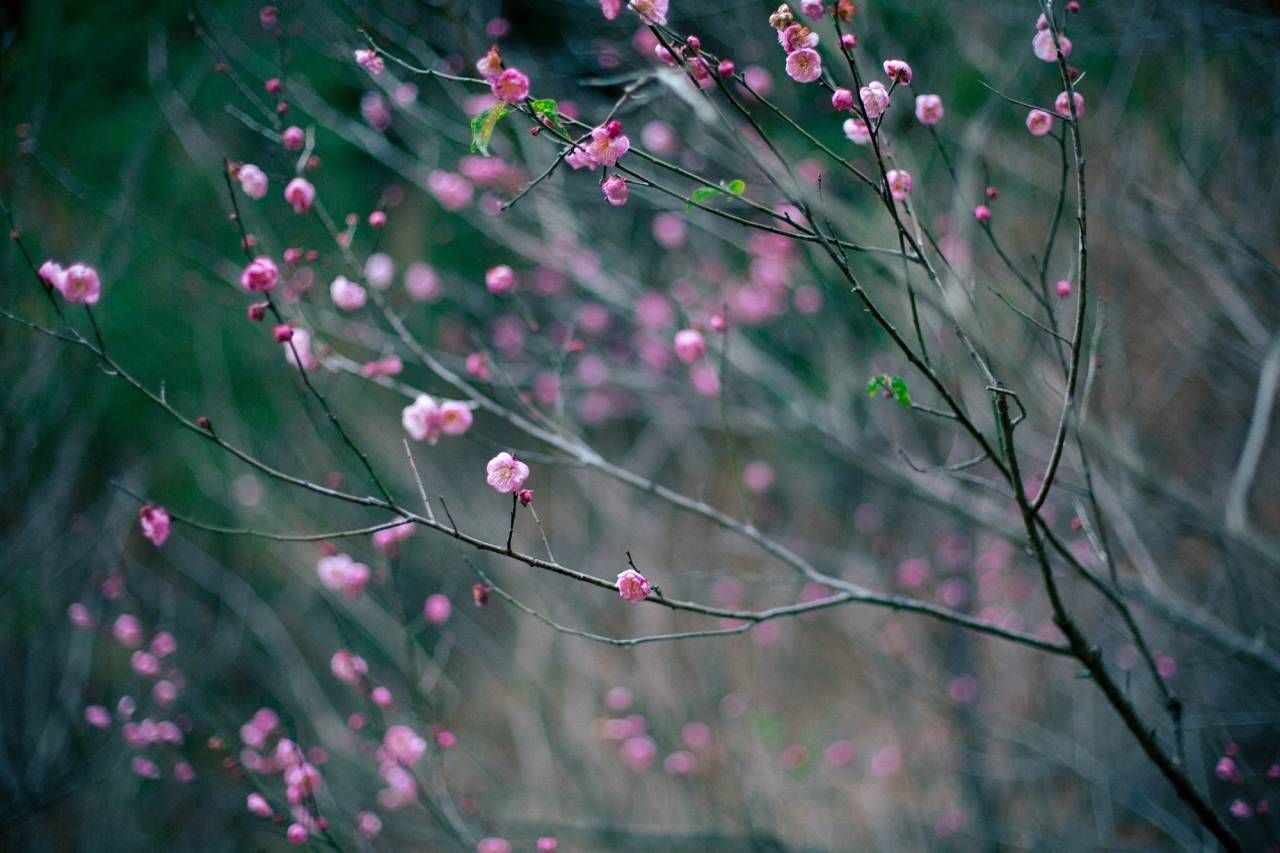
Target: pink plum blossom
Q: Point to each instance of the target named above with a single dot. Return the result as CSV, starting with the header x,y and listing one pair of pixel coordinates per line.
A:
x,y
341,573
615,190
293,138
253,181
370,61
298,352
77,283
421,282
437,609
1042,46
421,419
875,99
404,745
346,294
1063,108
300,193
797,37
633,586
155,524
1039,123
651,11
899,182
639,752
689,345
127,630
500,279
610,9
842,99
506,474
347,667
511,86
857,131
898,71
608,143
929,109
804,65
260,275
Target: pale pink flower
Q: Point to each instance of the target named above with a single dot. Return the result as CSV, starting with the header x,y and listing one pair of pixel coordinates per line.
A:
x,y
811,9
580,158
857,131
450,189
379,270
1063,108
875,98
253,181
51,273
437,609
506,474
705,379
929,109
500,279
1039,122
145,767
1240,810
608,143
689,345
804,65
651,11
346,294
155,524
165,693
388,538
639,752
615,190
842,99
633,586
404,745
899,181
79,283
293,138
680,763
982,213
898,71
381,697
369,824
127,630
797,37
611,8
493,845
80,616
341,573
478,366
300,193
421,282
511,86
547,844
421,419
298,351
145,664
347,667
455,417
370,61
296,834
97,716
1042,46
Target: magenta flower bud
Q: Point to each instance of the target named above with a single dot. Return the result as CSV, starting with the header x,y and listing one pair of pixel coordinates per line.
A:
x,y
293,137
297,834
694,43
283,333
480,594
848,41
526,496
1063,289
381,696
992,193
273,85
898,71
377,219
842,99
982,213
268,16
370,61
1073,6
437,609
725,69
300,193
613,129
689,345
257,311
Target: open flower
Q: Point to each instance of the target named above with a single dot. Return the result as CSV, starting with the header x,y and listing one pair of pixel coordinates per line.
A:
x,y
370,61
506,474
510,86
1039,122
875,98
346,294
633,586
155,524
804,65
898,71
615,190
899,181
928,109
651,11
252,180
608,143
300,193
421,419
342,574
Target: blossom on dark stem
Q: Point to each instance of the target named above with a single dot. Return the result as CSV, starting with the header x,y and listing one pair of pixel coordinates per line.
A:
x,y
1039,123
982,213
283,333
875,98
633,586
615,190
898,71
370,61
804,65
510,86
257,310
526,496
505,473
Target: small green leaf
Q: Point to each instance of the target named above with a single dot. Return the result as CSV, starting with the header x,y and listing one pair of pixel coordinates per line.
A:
x,y
482,126
703,194
892,386
548,110
737,186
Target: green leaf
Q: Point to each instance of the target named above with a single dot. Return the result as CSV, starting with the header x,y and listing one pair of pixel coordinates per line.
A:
x,y
702,195
482,126
548,110
737,186
893,386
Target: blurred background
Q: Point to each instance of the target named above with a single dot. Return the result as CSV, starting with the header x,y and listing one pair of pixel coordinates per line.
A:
x,y
855,728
